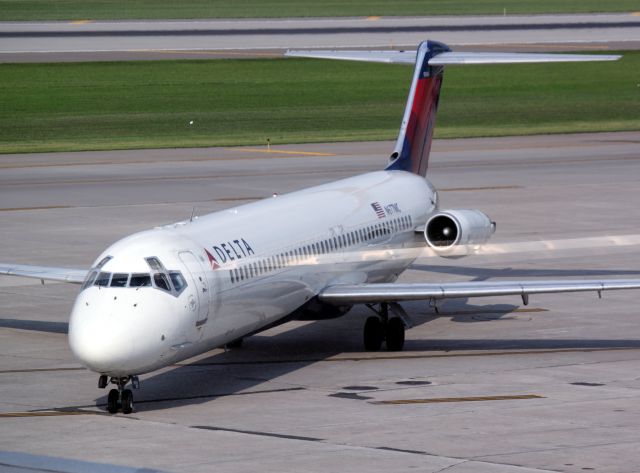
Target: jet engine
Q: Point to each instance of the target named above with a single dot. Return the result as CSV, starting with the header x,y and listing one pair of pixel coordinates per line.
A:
x,y
456,233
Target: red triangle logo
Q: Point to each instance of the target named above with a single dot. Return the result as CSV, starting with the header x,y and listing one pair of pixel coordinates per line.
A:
x,y
212,260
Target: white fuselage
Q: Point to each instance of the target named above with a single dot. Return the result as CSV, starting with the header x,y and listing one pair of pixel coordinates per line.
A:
x,y
245,268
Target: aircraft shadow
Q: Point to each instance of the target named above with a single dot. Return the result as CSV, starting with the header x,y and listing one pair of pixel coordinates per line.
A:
x,y
256,367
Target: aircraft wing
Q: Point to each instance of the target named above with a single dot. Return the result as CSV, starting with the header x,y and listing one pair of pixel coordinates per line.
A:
x,y
395,292
450,58
49,273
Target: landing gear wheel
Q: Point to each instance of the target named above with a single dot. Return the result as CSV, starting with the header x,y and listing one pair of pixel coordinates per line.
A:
x,y
112,401
373,334
127,401
395,334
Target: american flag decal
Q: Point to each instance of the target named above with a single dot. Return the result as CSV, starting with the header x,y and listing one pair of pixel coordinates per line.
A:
x,y
378,210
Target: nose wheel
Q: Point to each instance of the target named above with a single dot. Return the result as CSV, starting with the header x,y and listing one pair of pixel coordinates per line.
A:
x,y
121,398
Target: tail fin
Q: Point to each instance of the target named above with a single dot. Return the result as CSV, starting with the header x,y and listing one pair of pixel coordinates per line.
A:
x,y
416,132
412,149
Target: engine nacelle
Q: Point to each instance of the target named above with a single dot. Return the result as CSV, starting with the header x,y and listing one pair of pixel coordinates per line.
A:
x,y
455,233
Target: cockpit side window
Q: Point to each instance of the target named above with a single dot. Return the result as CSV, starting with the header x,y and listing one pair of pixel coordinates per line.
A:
x,y
155,264
89,280
178,281
161,281
170,281
103,261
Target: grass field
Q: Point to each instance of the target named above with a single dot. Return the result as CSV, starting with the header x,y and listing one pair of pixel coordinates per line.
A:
x,y
157,9
80,106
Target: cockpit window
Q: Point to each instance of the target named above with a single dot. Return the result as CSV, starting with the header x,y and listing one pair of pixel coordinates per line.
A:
x,y
161,281
103,279
140,280
154,263
119,280
103,261
172,282
178,281
89,280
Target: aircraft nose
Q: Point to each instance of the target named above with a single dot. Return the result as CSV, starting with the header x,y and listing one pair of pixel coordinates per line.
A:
x,y
101,343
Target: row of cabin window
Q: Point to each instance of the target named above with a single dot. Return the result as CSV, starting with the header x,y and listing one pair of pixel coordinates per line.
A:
x,y
282,260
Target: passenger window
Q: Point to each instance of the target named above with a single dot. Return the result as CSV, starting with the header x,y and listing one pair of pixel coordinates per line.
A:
x,y
119,280
161,282
103,279
178,281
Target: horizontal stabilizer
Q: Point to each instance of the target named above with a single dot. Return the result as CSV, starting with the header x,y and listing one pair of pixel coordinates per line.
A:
x,y
413,146
391,57
451,58
460,58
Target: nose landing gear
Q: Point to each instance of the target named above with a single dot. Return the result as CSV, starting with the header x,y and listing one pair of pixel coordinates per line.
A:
x,y
120,398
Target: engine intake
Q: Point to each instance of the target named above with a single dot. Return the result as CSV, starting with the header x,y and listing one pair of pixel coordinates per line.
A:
x,y
457,232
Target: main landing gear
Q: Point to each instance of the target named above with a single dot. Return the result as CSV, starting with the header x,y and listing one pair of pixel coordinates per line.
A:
x,y
380,328
120,398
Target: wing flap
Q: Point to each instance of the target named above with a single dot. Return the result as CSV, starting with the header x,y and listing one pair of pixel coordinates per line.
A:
x,y
371,293
49,273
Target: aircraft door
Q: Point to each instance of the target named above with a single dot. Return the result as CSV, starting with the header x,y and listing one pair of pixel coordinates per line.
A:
x,y
199,281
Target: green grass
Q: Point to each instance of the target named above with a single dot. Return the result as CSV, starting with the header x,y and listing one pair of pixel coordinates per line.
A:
x,y
81,106
159,9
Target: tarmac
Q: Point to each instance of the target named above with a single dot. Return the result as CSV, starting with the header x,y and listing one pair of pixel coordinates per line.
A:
x,y
486,385
88,40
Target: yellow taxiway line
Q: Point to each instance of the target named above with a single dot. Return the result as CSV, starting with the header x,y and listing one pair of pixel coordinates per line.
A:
x,y
280,151
437,400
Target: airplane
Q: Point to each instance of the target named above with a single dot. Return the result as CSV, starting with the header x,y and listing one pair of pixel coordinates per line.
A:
x,y
167,294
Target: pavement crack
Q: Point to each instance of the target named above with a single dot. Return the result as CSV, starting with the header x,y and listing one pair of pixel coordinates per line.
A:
x,y
258,433
451,466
